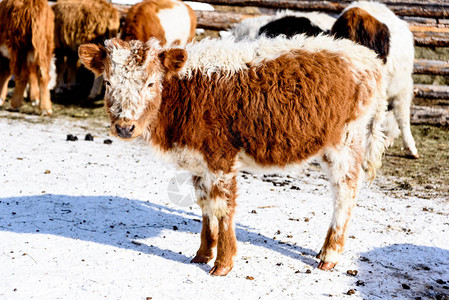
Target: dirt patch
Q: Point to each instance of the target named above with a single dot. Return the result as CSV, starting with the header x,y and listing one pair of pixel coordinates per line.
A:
x,y
82,109
426,177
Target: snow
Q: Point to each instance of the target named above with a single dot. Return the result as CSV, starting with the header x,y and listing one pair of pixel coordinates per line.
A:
x,y
89,220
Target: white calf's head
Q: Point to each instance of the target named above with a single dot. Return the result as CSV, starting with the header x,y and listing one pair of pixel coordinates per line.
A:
x,y
133,73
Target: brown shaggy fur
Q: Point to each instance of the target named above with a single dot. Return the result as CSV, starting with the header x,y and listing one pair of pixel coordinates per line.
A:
x,y
27,29
193,22
284,97
142,23
280,112
359,26
138,16
83,21
78,22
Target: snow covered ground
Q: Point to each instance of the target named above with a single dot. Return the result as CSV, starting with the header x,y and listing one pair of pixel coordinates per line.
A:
x,y
89,220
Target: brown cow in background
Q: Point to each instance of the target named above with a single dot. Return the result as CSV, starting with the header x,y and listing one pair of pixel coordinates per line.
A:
x,y
78,22
170,21
26,47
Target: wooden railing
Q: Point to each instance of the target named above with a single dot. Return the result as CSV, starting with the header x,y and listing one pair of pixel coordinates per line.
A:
x,y
438,9
428,19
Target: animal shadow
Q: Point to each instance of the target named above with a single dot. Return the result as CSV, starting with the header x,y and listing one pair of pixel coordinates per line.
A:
x,y
119,222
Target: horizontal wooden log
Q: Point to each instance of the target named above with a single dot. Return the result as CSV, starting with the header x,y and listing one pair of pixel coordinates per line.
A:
x,y
217,20
431,39
429,115
430,36
431,67
431,91
433,9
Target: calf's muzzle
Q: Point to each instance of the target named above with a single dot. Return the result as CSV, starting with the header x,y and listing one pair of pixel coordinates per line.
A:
x,y
124,131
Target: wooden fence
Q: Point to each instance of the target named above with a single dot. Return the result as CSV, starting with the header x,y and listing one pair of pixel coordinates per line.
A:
x,y
428,21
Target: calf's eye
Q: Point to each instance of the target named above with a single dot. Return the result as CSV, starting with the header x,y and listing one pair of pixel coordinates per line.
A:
x,y
151,84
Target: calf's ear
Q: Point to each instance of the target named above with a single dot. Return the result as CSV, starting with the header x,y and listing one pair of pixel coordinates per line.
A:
x,y
93,57
173,59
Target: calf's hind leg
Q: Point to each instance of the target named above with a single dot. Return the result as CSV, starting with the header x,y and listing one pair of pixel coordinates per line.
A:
x,y
45,101
344,166
217,201
401,111
34,85
21,82
5,75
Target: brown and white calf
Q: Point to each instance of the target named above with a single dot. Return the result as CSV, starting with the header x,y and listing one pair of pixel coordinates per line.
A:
x,y
78,22
26,49
217,104
170,21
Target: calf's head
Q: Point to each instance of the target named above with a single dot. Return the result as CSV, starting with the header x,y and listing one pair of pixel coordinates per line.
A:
x,y
359,26
133,73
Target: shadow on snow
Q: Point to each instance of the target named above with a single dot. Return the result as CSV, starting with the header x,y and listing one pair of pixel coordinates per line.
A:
x,y
119,222
403,271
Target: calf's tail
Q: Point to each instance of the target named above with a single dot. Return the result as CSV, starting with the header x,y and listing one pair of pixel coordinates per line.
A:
x,y
375,138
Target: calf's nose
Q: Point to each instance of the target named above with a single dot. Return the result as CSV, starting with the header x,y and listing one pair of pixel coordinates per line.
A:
x,y
124,131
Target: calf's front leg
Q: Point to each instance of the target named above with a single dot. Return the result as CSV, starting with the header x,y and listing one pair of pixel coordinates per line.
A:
x,y
209,236
217,201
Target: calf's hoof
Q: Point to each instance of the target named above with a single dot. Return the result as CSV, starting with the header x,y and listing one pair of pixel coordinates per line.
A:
x,y
326,266
411,154
220,271
59,90
35,103
389,142
46,112
201,259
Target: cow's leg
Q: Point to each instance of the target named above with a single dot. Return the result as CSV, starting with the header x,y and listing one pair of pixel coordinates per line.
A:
x,y
61,69
96,88
390,127
34,85
72,59
227,243
209,230
21,81
401,109
209,236
4,88
345,173
5,75
217,201
45,101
